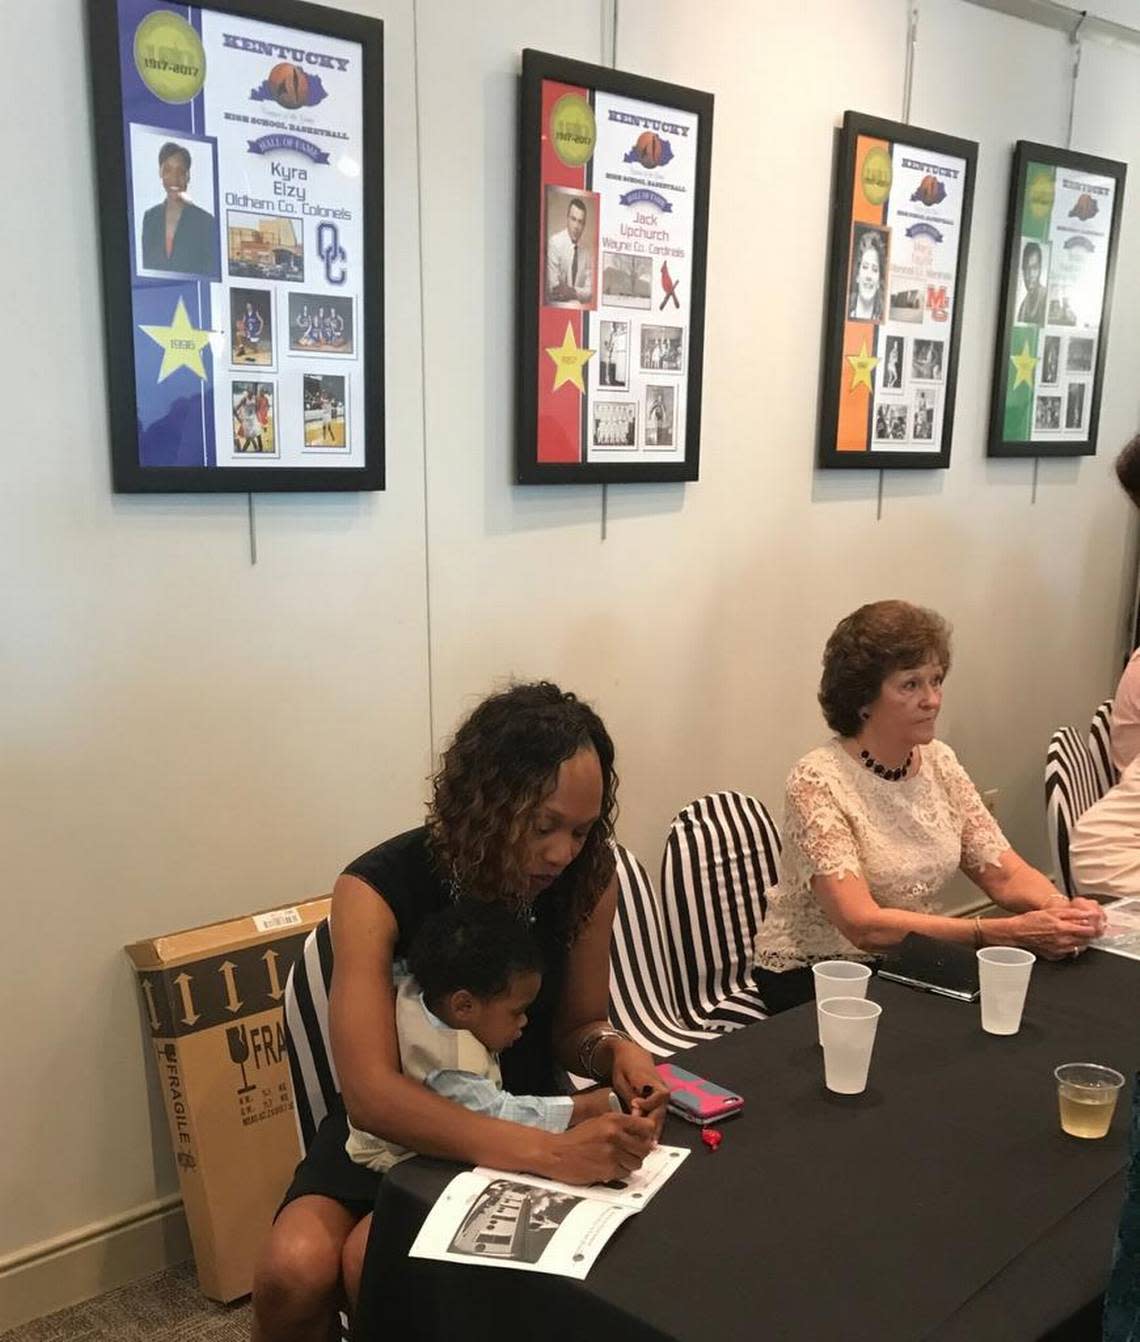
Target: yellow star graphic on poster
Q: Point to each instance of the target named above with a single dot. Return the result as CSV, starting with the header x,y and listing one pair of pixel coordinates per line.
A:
x,y
861,366
1025,363
181,344
569,360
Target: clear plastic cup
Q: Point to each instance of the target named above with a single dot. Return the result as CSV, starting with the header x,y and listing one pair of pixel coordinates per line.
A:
x,y
1003,973
838,978
847,1028
1087,1095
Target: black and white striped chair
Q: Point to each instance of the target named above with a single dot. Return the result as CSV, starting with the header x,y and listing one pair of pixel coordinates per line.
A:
x,y
721,857
1100,745
315,1085
643,999
1073,782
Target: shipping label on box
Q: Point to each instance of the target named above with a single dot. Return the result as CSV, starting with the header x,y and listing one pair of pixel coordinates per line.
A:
x,y
213,1000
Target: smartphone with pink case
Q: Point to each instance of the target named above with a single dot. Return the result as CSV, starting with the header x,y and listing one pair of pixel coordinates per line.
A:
x,y
695,1099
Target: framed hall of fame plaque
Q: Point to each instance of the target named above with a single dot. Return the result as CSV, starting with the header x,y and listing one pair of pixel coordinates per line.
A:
x,y
613,227
1060,255
240,157
899,242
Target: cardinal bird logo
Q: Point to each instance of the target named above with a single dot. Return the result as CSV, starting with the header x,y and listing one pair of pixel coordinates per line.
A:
x,y
668,286
1085,207
930,191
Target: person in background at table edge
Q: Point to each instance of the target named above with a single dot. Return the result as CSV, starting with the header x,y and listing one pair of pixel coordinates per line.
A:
x,y
879,818
1125,730
522,812
1104,847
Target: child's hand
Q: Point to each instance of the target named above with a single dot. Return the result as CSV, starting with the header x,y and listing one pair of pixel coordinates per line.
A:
x,y
591,1104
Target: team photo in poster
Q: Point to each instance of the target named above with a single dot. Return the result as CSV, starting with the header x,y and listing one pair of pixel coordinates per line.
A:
x,y
1047,416
614,424
320,324
251,327
662,349
891,422
1061,234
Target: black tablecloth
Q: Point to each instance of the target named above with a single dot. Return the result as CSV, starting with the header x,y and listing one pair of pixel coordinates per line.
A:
x,y
944,1203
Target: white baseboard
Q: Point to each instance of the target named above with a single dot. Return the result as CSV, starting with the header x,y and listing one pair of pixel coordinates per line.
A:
x,y
44,1277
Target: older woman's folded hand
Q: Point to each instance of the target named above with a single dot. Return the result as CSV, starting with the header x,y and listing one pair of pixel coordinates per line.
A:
x,y
1056,931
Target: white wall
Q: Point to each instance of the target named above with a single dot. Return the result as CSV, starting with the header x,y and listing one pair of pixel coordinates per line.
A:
x,y
186,737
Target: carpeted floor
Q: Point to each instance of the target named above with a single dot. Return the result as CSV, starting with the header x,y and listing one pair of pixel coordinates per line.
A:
x,y
167,1307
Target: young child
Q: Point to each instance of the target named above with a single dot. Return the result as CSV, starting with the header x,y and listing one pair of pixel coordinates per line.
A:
x,y
474,970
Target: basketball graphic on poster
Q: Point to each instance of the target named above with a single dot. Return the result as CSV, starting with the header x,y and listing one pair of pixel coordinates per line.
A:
x,y
289,85
648,149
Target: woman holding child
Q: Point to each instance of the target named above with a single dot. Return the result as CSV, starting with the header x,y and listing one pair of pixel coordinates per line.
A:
x,y
879,819
522,814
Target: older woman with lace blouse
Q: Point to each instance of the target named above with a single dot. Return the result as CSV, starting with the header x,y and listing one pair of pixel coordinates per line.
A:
x,y
879,819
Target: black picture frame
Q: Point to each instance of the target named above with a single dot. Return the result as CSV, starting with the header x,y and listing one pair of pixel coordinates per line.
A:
x,y
118,245
677,394
1057,383
848,436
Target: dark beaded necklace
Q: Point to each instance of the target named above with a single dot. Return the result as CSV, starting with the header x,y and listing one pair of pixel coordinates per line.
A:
x,y
891,775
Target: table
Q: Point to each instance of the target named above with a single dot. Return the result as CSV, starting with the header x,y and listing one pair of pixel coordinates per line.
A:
x,y
943,1204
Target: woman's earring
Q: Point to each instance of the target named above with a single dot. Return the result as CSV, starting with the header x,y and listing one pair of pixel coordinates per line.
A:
x,y
864,713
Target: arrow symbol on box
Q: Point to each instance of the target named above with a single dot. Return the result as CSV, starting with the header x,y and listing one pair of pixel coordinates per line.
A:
x,y
148,993
190,1015
275,989
226,969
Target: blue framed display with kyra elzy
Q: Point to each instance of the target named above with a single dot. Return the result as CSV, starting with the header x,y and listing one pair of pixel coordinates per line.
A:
x,y
240,157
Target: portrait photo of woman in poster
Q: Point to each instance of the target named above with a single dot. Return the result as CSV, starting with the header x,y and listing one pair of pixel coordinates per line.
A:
x,y
866,294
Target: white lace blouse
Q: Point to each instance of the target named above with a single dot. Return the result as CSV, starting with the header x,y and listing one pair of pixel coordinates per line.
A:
x,y
905,839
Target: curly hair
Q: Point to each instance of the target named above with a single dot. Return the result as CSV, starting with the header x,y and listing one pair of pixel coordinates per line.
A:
x,y
472,945
1128,469
501,763
866,646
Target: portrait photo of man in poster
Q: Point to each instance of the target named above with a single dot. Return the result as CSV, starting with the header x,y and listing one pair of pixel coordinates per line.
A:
x,y
1034,261
571,247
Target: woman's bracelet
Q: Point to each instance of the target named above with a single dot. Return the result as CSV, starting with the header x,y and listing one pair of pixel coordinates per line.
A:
x,y
977,931
588,1047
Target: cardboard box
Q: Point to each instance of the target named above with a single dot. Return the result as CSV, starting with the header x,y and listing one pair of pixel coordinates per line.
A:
x,y
213,999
